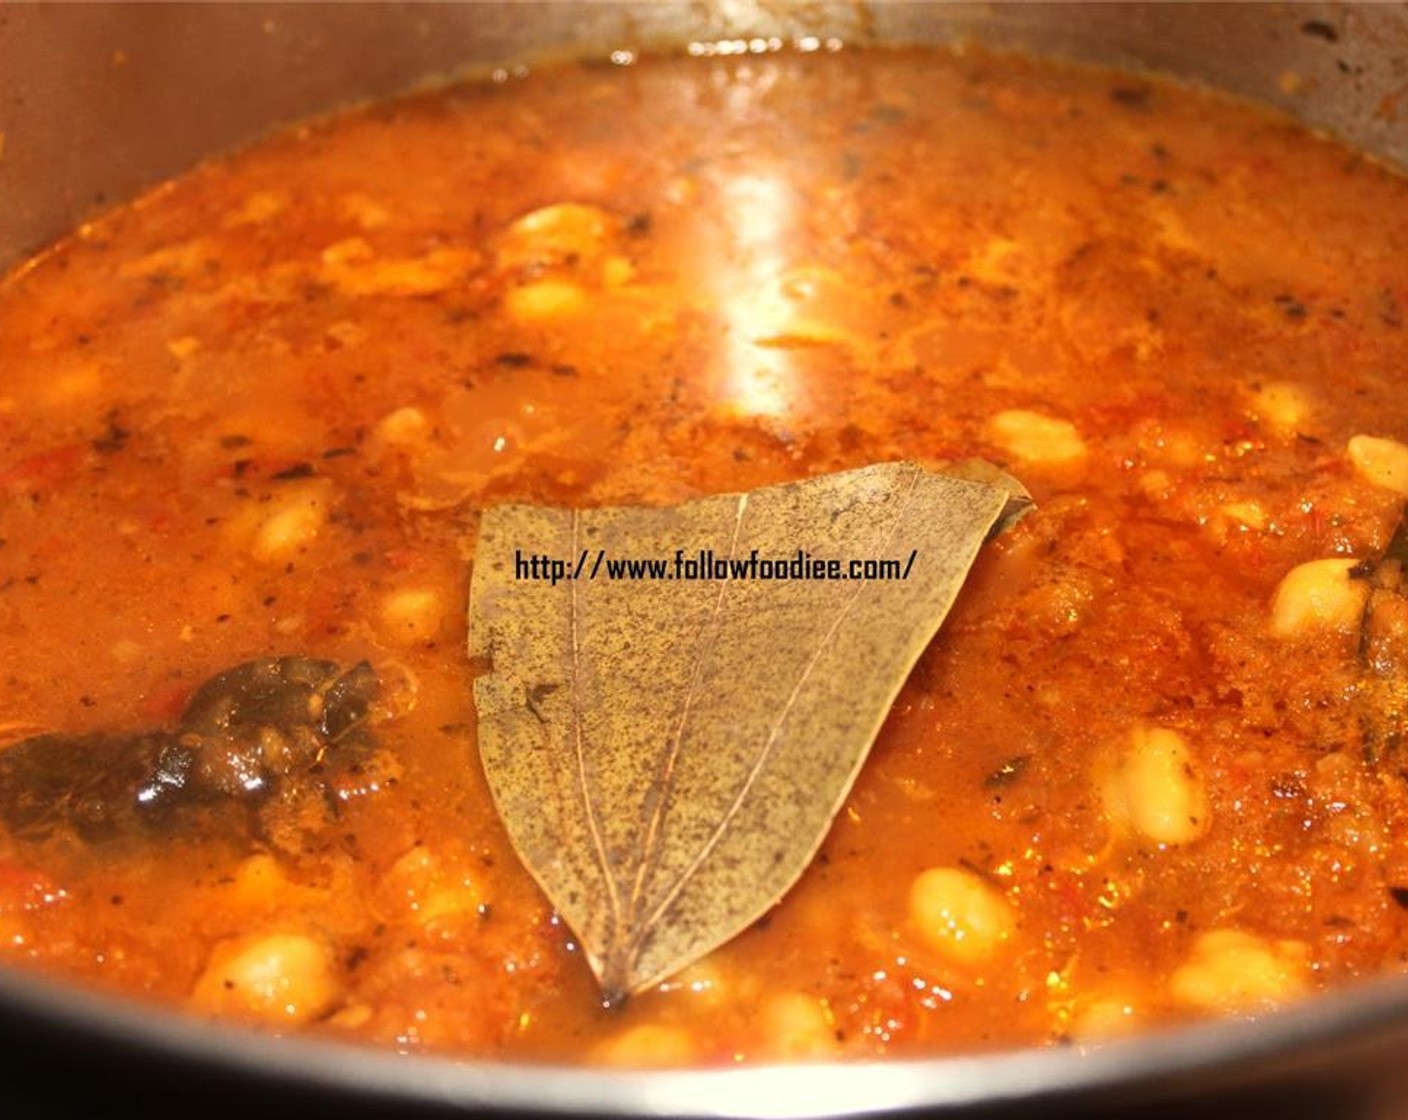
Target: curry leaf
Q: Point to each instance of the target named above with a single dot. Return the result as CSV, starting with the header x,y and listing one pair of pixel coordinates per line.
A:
x,y
667,753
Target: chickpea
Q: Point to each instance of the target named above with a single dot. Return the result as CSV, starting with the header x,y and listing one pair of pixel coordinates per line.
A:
x,y
290,522
403,426
705,985
441,899
274,979
799,1026
1233,972
352,1017
960,915
261,884
1283,406
445,910
437,271
1105,1018
1035,437
412,615
648,1046
354,268
545,299
1384,462
1249,515
1171,445
260,881
13,932
617,272
553,235
1318,596
1156,789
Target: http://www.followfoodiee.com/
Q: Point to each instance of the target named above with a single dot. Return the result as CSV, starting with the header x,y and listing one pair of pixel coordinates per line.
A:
x,y
706,564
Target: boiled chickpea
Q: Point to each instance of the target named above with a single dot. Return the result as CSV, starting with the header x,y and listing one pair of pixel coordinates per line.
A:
x,y
617,272
648,1046
1104,1018
437,271
412,615
275,979
704,983
1157,791
798,1026
1036,437
259,881
1283,406
566,231
290,522
1384,462
1318,596
355,269
1250,515
960,915
1232,972
403,427
545,299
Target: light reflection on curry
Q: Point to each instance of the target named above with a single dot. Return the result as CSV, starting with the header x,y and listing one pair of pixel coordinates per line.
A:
x,y
1148,771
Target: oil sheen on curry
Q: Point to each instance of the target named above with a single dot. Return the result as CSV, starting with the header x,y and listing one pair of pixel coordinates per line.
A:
x,y
1151,769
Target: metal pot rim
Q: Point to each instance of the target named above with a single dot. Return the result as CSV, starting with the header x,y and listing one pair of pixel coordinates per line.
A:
x,y
1307,1038
1311,1038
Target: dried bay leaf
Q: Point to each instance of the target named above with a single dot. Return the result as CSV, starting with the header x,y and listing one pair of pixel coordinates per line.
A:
x,y
668,755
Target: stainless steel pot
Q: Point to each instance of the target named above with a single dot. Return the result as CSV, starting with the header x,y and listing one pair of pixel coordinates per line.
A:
x,y
98,101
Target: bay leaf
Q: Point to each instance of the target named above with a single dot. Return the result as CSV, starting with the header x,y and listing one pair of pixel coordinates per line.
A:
x,y
667,754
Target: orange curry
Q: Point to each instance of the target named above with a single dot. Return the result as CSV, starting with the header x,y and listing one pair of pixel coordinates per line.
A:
x,y
1149,770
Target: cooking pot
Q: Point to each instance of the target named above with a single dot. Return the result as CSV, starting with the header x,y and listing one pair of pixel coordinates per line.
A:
x,y
98,101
